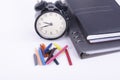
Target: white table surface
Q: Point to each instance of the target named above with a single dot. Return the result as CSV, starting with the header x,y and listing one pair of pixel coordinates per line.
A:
x,y
18,40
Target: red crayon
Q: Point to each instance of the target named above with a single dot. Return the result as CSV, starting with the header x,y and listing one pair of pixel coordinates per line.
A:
x,y
68,57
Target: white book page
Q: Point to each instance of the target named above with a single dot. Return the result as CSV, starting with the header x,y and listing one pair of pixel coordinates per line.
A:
x,y
118,1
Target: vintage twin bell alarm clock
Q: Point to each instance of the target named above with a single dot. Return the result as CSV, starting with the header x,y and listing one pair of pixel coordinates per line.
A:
x,y
52,19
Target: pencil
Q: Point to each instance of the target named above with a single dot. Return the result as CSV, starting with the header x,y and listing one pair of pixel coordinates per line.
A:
x,y
63,49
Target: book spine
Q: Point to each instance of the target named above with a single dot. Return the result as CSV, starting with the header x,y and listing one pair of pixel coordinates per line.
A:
x,y
81,28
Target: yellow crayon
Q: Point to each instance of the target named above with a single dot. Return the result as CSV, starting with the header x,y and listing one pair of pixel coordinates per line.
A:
x,y
57,46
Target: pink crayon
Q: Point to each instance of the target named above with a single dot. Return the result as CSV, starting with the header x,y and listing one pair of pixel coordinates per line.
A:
x,y
62,50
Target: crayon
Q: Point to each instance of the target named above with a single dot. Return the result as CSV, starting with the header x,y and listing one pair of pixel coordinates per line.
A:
x,y
35,59
38,57
57,46
41,56
43,47
62,50
51,55
68,57
56,62
47,48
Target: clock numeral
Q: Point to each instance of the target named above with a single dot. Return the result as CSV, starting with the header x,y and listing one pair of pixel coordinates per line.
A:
x,y
62,23
45,15
44,31
41,29
50,14
60,27
56,15
39,24
60,18
51,33
56,31
41,19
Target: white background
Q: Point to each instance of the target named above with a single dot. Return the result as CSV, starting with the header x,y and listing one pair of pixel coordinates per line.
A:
x,y
18,40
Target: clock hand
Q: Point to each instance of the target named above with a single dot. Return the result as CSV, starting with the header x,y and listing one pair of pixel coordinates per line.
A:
x,y
45,26
48,23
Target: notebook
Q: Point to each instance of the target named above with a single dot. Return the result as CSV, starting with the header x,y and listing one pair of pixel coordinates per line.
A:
x,y
86,49
100,19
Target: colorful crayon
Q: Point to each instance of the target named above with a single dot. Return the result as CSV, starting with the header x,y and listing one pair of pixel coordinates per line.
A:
x,y
62,50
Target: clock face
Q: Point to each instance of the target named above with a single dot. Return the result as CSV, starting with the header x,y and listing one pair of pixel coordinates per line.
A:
x,y
51,25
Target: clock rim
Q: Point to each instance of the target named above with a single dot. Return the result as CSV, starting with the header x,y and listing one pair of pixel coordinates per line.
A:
x,y
55,37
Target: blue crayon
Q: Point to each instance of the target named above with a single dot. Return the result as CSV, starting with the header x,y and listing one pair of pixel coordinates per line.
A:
x,y
41,56
47,48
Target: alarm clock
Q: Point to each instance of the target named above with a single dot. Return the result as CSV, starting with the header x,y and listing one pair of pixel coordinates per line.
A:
x,y
52,19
